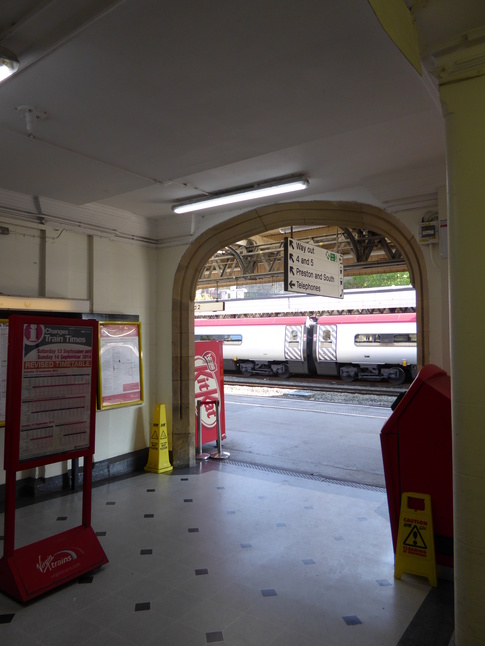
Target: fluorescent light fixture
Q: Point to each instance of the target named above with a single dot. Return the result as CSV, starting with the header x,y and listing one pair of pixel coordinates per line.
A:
x,y
253,193
9,63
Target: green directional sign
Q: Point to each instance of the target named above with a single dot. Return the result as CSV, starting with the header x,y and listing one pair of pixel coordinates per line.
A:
x,y
309,269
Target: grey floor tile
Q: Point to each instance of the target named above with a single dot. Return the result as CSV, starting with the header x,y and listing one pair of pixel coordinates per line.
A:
x,y
307,541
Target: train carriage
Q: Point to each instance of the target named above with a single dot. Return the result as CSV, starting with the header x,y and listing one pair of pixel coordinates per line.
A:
x,y
274,345
364,346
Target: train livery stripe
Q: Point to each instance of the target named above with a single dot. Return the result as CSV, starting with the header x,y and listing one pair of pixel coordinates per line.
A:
x,y
349,319
273,320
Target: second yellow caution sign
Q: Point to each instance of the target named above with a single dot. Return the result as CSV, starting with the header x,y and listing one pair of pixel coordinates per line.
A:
x,y
158,460
415,539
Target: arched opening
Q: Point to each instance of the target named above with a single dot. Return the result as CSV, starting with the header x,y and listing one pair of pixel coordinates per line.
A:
x,y
243,226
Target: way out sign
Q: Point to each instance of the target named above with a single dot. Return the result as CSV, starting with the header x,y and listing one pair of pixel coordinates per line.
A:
x,y
415,539
309,269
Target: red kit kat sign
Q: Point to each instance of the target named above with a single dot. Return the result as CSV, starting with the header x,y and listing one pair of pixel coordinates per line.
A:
x,y
209,387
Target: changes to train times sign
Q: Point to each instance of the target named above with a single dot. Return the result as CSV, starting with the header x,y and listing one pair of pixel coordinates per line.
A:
x,y
51,383
312,270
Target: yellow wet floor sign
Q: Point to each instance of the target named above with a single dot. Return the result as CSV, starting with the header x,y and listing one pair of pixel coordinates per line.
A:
x,y
415,539
158,460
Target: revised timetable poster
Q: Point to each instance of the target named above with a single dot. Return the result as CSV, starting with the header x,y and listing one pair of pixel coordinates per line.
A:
x,y
56,390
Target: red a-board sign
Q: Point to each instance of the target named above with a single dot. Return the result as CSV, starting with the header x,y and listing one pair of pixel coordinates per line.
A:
x,y
50,417
209,387
44,565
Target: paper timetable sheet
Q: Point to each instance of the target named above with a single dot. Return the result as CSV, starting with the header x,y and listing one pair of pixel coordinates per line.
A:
x,y
120,369
56,391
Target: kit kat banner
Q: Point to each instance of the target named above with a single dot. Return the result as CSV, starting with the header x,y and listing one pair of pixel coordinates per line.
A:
x,y
209,387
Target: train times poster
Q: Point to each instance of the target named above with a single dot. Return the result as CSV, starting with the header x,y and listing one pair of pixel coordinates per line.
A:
x,y
51,384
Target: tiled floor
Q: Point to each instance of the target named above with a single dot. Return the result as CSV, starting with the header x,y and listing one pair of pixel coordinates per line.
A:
x,y
222,554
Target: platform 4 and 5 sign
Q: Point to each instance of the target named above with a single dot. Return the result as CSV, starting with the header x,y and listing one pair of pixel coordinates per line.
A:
x,y
312,270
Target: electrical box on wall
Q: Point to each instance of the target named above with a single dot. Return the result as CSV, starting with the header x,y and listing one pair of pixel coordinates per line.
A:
x,y
428,232
443,238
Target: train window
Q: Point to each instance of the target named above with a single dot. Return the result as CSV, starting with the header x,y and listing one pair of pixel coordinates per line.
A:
x,y
367,339
385,339
227,339
405,339
294,337
232,339
326,335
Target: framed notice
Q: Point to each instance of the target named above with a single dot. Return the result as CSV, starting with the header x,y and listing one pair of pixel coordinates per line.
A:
x,y
3,368
51,390
120,364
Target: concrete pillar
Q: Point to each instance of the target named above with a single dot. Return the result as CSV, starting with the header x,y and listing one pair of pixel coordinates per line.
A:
x,y
462,90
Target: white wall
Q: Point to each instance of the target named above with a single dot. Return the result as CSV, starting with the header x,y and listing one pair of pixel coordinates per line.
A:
x,y
118,278
437,278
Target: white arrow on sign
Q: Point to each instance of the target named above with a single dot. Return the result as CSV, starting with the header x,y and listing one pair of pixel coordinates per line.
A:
x,y
312,270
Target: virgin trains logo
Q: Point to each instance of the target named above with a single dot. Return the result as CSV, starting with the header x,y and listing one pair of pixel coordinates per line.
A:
x,y
55,561
207,387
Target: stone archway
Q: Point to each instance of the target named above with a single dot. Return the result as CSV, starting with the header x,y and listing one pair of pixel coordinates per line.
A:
x,y
243,226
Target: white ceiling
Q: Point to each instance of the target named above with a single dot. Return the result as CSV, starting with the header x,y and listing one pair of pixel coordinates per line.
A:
x,y
148,102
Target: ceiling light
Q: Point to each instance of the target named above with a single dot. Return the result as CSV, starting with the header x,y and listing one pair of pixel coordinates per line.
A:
x,y
252,193
9,63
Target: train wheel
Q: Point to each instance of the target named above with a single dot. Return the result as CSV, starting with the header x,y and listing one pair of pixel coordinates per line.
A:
x,y
280,370
348,373
246,368
397,376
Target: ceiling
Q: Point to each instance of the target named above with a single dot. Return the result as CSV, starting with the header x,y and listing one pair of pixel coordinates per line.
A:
x,y
136,105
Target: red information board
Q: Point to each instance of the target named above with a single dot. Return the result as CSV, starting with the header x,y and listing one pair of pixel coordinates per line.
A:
x,y
50,417
51,384
209,387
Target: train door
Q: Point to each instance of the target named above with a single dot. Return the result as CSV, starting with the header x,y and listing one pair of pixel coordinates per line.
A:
x,y
325,350
295,349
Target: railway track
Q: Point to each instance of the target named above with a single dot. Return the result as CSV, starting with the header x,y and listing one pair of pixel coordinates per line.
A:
x,y
318,385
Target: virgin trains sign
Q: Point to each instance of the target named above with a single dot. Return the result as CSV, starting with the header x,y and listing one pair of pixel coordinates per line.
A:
x,y
312,270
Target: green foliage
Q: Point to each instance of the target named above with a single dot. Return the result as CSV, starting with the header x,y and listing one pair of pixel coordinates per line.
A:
x,y
377,280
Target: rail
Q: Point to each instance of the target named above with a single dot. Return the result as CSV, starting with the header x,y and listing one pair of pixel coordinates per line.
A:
x,y
319,385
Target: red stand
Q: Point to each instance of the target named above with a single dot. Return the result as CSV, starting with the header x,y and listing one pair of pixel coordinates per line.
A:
x,y
34,569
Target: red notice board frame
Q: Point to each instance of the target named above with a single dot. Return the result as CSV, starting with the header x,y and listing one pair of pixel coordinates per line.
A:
x,y
50,417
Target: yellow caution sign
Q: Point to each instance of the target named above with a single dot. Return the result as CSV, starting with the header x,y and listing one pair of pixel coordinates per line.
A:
x,y
415,539
158,460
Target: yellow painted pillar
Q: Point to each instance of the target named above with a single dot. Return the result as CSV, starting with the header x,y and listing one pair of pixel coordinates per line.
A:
x,y
462,90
